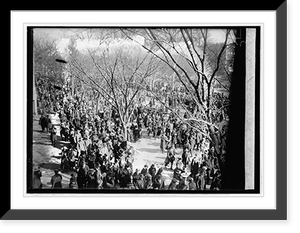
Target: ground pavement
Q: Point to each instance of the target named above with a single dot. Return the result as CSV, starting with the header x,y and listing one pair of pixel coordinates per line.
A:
x,y
47,157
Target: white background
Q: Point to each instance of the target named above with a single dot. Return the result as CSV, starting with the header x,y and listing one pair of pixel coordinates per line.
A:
x,y
265,200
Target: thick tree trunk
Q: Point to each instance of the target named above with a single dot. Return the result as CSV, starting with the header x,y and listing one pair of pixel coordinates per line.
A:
x,y
125,130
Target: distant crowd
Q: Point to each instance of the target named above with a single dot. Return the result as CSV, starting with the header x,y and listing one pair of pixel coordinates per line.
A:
x,y
97,154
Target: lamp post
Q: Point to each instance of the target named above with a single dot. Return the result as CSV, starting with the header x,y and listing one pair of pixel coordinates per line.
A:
x,y
72,80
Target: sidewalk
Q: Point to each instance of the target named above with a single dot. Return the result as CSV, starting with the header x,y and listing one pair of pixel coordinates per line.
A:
x,y
46,156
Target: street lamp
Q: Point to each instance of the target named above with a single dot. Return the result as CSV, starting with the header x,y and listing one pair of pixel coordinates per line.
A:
x,y
61,61
72,81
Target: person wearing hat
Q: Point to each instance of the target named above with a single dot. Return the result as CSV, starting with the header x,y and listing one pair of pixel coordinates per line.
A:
x,y
56,180
53,136
184,156
173,184
216,181
180,164
92,181
43,122
64,163
191,183
144,169
158,182
182,184
139,182
170,157
48,122
82,174
36,183
194,167
109,180
73,183
200,178
77,136
152,171
163,140
177,173
135,175
128,165
147,181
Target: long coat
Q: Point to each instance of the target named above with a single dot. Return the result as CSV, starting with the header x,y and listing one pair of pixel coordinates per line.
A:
x,y
194,167
37,184
56,181
82,176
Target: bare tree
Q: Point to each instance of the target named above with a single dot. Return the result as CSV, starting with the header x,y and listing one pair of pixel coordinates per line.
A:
x,y
196,61
48,73
117,76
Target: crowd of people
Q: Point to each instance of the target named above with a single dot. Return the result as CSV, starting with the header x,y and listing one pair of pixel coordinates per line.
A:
x,y
98,156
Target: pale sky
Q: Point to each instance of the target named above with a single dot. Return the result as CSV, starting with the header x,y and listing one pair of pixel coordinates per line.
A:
x,y
62,36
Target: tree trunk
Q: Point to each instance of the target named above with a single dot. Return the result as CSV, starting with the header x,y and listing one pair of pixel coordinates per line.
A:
x,y
216,142
125,131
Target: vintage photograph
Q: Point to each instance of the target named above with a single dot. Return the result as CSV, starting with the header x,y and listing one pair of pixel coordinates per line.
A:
x,y
143,110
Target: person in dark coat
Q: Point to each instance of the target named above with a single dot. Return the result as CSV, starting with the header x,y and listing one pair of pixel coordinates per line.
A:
x,y
194,167
173,184
158,182
135,176
72,183
163,142
56,180
53,136
37,174
177,173
201,177
48,121
128,166
184,157
152,171
216,181
109,181
170,157
147,181
43,122
82,175
182,184
144,169
124,177
191,183
139,182
92,182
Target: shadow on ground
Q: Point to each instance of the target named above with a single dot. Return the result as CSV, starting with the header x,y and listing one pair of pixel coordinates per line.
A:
x,y
56,157
60,144
51,166
149,150
42,143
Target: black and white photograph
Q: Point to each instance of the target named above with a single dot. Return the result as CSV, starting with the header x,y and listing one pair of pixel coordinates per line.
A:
x,y
148,110
149,114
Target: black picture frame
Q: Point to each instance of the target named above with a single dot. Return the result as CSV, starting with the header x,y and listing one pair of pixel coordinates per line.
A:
x,y
280,213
